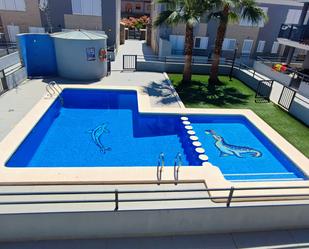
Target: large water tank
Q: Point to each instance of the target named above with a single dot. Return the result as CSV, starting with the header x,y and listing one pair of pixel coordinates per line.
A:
x,y
81,54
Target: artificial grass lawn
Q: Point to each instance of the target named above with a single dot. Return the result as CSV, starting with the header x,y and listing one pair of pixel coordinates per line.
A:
x,y
235,94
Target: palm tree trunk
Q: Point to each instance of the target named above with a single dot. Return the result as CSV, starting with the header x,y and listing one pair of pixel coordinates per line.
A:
x,y
187,71
213,79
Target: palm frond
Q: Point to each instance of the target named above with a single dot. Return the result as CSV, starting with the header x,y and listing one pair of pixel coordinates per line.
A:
x,y
252,12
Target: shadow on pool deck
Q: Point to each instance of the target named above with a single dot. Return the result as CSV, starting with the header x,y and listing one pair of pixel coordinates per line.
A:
x,y
163,92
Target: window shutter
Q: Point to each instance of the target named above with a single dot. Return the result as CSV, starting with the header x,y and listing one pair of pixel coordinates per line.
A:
x,y
87,7
2,4
13,31
97,8
10,5
229,44
247,46
260,47
76,7
293,16
20,5
275,48
204,43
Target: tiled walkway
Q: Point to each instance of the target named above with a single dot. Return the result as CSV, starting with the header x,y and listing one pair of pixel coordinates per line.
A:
x,y
270,240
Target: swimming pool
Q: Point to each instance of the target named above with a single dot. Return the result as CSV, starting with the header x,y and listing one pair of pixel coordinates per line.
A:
x,y
103,128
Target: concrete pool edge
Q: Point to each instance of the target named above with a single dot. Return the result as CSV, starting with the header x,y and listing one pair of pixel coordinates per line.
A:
x,y
211,175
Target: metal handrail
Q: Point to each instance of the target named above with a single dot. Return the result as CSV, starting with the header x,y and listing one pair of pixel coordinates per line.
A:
x,y
160,167
177,165
54,88
227,198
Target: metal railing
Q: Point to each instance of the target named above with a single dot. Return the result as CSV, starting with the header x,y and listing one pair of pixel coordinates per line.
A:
x,y
295,75
295,32
225,196
181,59
8,48
160,166
177,165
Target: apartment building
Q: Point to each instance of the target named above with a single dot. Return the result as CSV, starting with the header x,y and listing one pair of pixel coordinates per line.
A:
x,y
250,40
19,16
135,8
22,16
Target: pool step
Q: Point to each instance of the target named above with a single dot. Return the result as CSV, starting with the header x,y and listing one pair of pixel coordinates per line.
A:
x,y
246,177
191,142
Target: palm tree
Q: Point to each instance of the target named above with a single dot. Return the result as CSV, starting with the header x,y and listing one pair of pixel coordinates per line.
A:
x,y
226,11
188,12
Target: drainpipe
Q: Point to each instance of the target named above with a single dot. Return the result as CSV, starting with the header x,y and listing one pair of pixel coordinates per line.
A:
x,y
301,22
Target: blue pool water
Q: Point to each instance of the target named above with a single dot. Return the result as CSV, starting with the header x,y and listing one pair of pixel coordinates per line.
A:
x,y
97,128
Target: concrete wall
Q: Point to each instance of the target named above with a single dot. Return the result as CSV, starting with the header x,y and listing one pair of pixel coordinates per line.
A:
x,y
304,89
155,66
9,60
58,8
269,72
16,77
111,15
150,223
83,22
300,108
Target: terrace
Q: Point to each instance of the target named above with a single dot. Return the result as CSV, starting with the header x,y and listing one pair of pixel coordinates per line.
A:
x,y
72,196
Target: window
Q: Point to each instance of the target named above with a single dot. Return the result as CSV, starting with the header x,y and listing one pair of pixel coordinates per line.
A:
x,y
201,43
13,31
246,22
178,43
138,6
247,46
87,7
36,30
129,7
293,16
260,47
229,44
16,5
275,48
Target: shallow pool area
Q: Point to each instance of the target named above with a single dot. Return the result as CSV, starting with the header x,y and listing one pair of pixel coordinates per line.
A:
x,y
104,128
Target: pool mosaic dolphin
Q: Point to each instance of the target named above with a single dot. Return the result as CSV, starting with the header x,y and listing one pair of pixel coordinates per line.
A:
x,y
232,150
96,135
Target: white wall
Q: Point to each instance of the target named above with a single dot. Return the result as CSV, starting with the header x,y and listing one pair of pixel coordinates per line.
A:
x,y
150,223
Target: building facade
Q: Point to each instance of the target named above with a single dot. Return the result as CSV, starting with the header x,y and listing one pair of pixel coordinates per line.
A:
x,y
250,40
23,16
135,8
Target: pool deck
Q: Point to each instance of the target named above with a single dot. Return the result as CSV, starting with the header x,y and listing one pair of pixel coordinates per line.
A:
x,y
16,103
146,104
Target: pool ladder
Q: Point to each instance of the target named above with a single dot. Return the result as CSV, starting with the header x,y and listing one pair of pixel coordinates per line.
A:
x,y
161,164
177,165
53,88
160,167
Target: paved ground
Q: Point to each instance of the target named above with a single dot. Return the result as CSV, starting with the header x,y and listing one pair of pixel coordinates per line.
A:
x,y
16,103
276,239
131,47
